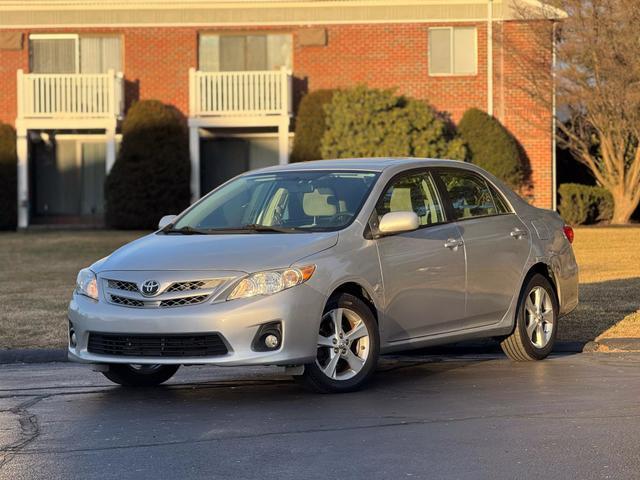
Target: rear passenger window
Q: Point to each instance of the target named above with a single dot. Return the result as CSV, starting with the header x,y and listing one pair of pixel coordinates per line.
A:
x,y
413,193
501,203
469,193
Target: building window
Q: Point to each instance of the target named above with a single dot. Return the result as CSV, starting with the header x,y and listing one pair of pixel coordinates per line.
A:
x,y
71,53
239,53
453,51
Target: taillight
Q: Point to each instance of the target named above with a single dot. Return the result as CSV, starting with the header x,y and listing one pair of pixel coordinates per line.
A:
x,y
568,232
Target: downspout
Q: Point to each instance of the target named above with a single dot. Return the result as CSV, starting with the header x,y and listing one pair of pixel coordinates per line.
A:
x,y
490,57
553,120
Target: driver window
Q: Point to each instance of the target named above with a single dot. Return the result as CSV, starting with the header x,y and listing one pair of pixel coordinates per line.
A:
x,y
414,193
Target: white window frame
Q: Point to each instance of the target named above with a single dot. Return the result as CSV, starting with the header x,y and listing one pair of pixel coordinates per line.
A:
x,y
59,36
452,50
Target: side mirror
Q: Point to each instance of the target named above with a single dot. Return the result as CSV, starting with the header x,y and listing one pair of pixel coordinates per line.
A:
x,y
398,222
166,220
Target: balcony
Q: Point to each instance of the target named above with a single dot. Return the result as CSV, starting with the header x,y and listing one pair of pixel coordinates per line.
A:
x,y
62,100
240,98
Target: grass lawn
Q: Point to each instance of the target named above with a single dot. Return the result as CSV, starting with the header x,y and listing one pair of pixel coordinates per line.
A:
x,y
609,285
38,271
37,275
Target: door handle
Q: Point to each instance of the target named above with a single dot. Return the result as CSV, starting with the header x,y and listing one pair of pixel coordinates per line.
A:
x,y
518,233
453,243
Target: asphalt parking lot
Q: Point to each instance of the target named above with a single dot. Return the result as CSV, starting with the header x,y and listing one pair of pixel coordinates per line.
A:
x,y
571,416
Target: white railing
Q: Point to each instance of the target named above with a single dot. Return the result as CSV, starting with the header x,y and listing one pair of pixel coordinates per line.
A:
x,y
75,95
238,94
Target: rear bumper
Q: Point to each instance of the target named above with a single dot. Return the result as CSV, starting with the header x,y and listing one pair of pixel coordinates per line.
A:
x,y
299,310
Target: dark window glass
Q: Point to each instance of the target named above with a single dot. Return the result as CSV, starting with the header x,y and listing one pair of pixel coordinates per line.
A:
x,y
501,203
299,200
415,192
469,193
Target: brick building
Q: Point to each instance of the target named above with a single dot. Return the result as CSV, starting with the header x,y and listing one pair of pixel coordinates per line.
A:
x,y
235,68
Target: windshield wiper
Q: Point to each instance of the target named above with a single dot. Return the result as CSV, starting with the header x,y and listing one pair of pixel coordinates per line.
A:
x,y
187,230
256,227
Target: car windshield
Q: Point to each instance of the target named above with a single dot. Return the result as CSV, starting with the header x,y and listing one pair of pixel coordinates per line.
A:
x,y
293,201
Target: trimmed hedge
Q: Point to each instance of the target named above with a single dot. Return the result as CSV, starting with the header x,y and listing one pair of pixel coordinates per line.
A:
x,y
8,178
491,146
363,122
580,204
310,126
151,176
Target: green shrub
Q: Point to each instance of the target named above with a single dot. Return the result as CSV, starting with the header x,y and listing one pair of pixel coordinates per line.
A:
x,y
580,204
310,126
151,176
363,122
492,147
8,178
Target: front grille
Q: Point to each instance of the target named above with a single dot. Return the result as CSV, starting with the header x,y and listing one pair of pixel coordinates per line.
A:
x,y
186,286
181,302
122,285
188,345
126,302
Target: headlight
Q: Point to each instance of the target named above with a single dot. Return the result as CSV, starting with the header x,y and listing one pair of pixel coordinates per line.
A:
x,y
272,281
87,284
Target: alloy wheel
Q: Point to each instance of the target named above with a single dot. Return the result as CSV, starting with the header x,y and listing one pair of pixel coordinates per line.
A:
x,y
343,344
539,317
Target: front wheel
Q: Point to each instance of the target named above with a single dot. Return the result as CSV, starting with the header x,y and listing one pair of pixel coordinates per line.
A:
x,y
536,323
140,375
347,349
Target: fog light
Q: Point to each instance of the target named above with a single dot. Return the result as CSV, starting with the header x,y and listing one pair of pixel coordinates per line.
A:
x,y
268,337
271,341
73,340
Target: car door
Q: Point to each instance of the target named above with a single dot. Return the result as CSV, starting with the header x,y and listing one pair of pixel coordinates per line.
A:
x,y
496,243
423,270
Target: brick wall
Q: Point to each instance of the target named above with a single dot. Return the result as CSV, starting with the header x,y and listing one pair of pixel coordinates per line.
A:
x,y
157,60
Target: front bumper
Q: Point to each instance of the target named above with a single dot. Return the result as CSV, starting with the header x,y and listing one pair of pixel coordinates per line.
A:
x,y
299,310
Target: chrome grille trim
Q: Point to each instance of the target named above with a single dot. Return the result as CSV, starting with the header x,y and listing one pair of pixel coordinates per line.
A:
x,y
126,293
194,285
125,301
122,285
181,302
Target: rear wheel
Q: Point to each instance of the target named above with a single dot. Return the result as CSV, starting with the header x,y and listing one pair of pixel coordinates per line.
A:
x,y
140,375
347,348
536,323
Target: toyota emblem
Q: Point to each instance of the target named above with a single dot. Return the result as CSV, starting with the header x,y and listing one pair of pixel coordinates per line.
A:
x,y
150,288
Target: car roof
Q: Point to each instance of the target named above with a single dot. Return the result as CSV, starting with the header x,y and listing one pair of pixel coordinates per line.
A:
x,y
373,164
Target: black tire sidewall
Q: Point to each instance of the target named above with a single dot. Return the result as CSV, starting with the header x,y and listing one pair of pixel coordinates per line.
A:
x,y
125,375
317,380
537,280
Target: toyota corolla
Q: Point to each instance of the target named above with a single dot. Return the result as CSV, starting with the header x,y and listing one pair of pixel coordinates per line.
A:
x,y
321,267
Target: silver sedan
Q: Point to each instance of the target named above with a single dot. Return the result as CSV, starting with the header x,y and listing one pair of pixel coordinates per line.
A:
x,y
320,267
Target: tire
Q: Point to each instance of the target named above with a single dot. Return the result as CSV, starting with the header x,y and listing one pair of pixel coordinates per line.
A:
x,y
536,322
140,375
357,348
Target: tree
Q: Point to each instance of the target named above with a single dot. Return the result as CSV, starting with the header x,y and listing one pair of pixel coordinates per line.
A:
x,y
363,122
8,174
310,126
151,175
597,80
491,146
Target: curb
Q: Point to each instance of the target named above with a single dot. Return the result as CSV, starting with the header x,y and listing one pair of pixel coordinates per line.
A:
x,y
48,355
33,355
613,345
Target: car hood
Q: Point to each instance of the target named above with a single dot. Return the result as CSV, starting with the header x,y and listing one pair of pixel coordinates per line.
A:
x,y
239,252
